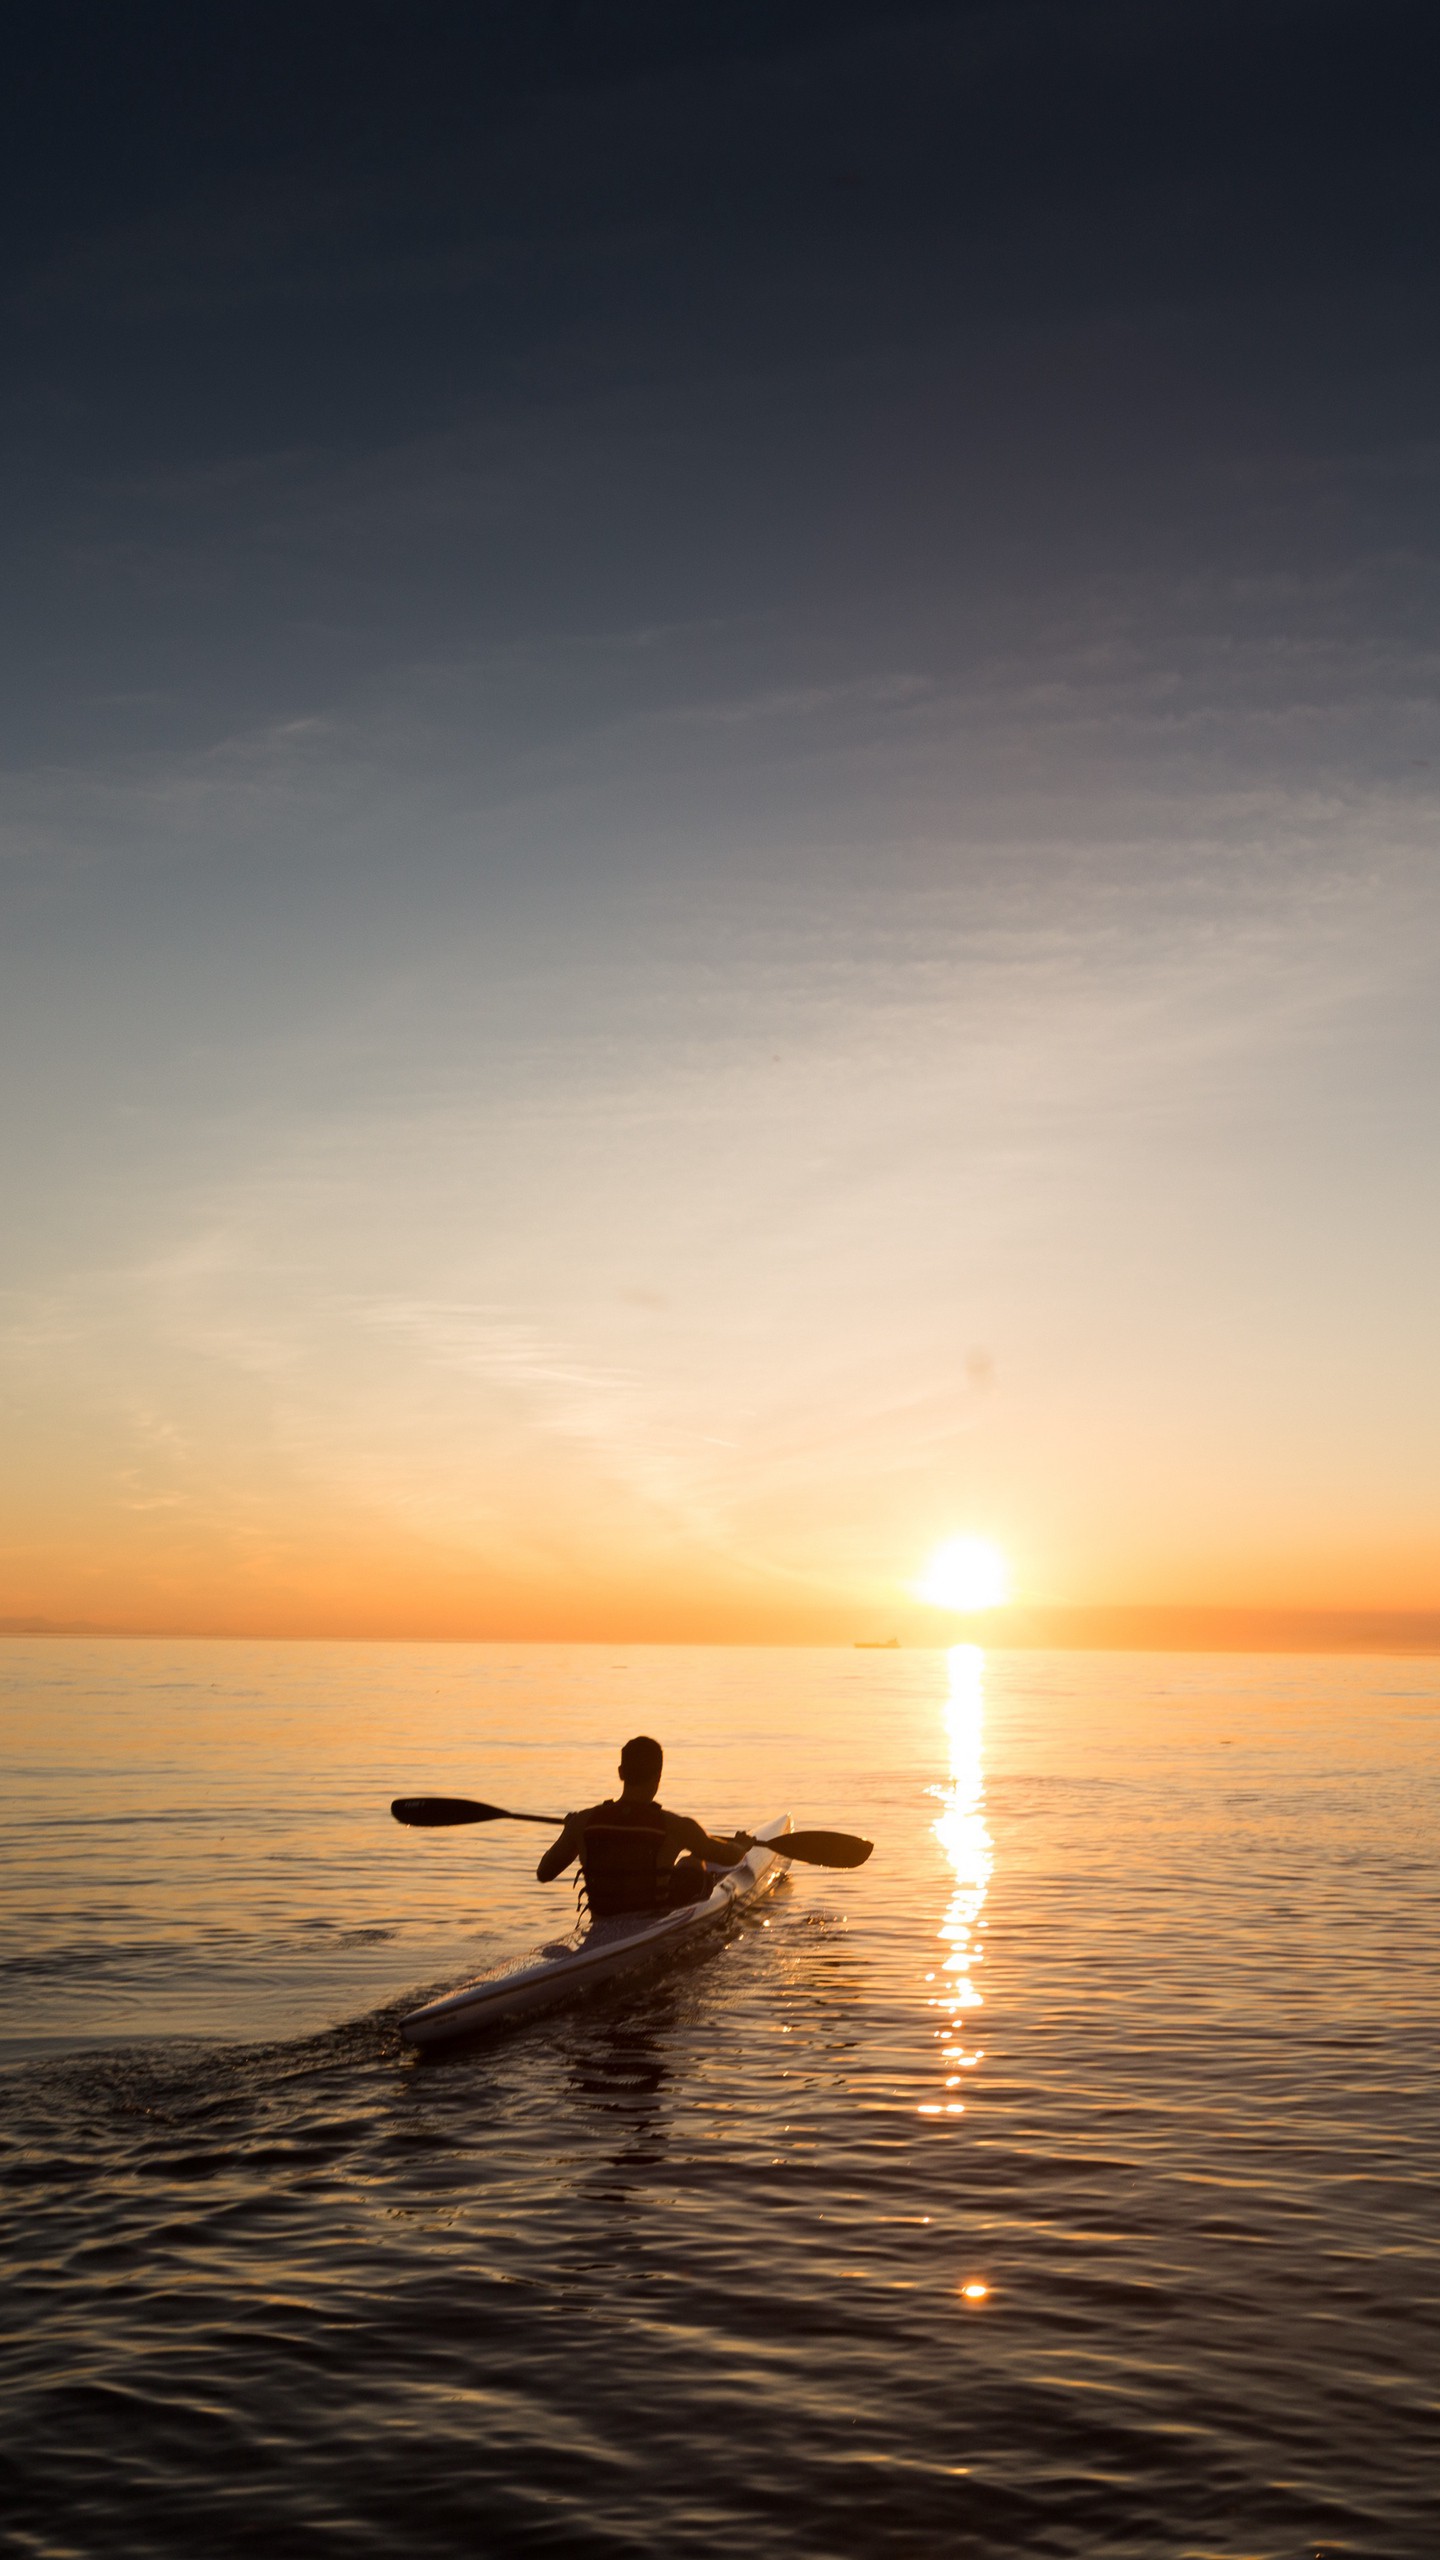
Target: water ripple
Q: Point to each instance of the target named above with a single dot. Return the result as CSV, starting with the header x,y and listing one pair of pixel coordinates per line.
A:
x,y
1065,2187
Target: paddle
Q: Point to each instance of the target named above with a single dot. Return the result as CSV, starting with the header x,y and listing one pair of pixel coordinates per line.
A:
x,y
812,1848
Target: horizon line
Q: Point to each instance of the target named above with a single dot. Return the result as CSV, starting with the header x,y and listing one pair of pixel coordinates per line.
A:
x,y
1171,1627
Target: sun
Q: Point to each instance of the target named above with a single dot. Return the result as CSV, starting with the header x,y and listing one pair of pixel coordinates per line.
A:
x,y
966,1573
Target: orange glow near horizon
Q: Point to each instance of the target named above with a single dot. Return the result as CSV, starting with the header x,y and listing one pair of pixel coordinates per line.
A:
x,y
158,1571
469,1487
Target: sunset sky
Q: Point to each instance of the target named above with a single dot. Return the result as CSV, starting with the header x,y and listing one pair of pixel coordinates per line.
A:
x,y
719,810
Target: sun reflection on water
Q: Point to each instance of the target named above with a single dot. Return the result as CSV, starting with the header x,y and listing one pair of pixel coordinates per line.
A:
x,y
963,1835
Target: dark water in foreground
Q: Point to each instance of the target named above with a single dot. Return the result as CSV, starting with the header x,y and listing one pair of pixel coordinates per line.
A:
x,y
1130,2022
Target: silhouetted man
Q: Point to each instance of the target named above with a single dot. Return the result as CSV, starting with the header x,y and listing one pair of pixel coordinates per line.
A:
x,y
634,1855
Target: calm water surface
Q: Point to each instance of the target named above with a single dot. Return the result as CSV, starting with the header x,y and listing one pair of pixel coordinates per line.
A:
x,y
1063,2182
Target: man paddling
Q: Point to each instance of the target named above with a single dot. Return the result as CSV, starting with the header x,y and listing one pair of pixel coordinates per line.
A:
x,y
634,1855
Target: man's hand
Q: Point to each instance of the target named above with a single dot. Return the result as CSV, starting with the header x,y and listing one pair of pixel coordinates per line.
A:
x,y
729,1852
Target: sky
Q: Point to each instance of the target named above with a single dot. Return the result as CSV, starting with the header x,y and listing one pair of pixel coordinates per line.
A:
x,y
718,787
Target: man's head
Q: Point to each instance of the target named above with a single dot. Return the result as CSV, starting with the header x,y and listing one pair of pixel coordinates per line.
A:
x,y
641,1762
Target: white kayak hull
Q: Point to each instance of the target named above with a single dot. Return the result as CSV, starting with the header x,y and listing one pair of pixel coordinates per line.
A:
x,y
596,1953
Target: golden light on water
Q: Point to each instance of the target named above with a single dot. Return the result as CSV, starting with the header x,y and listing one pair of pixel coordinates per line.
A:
x,y
966,1573
964,1835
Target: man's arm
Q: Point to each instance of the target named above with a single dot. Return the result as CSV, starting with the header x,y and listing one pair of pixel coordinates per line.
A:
x,y
716,1853
561,1853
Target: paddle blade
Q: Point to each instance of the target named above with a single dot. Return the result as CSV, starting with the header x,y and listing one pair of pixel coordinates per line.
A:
x,y
822,1848
435,1813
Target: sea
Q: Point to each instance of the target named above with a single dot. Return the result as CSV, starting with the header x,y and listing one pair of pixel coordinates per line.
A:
x,y
1062,2181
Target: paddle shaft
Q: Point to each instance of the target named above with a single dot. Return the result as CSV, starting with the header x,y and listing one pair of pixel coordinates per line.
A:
x,y
810,1848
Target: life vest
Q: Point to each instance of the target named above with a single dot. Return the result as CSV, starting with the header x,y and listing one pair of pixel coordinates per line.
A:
x,y
624,1862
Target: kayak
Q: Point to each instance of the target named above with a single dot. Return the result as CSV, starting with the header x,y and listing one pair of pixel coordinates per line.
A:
x,y
596,1952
